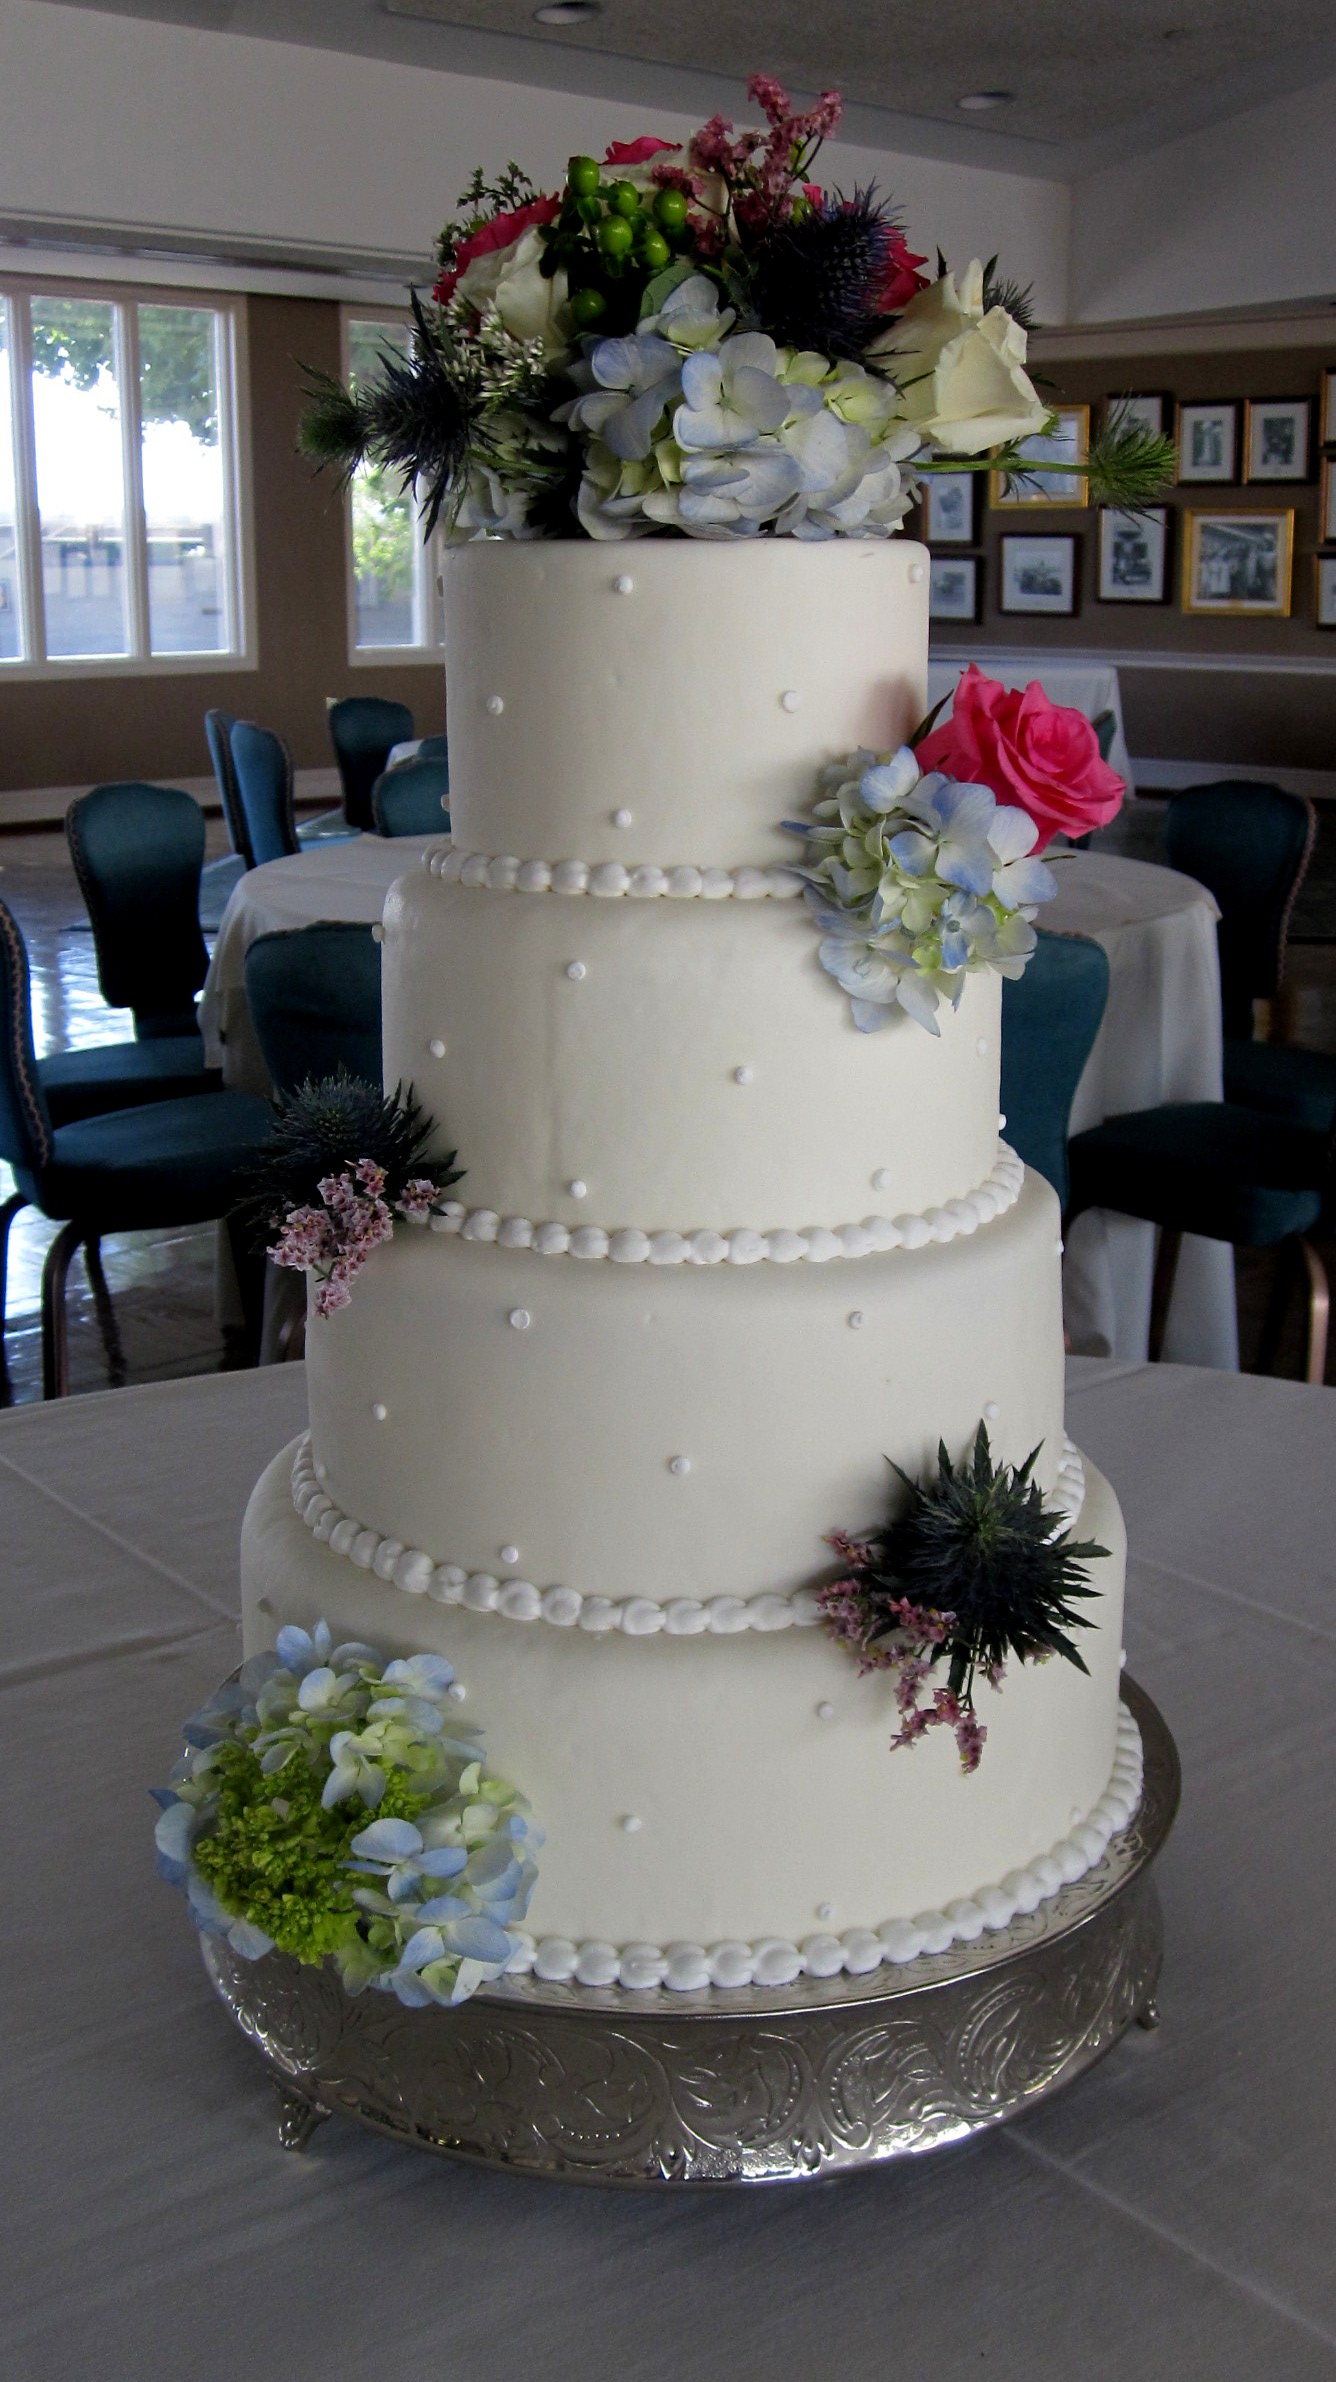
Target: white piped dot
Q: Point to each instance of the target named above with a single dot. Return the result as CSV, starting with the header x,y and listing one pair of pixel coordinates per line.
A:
x,y
857,1320
321,1471
679,1466
917,574
790,699
744,1075
623,583
436,1047
632,1824
621,818
577,971
577,1189
378,933
825,1910
379,1412
510,1554
1058,1247
991,1410
1001,1123
496,705
457,1691
520,1319
881,1180
981,1047
825,1711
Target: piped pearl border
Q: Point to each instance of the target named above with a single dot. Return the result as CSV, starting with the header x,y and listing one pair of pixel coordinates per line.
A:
x,y
774,1960
608,879
418,1574
745,1246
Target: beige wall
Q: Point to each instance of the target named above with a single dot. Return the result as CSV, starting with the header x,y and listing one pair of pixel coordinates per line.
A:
x,y
80,731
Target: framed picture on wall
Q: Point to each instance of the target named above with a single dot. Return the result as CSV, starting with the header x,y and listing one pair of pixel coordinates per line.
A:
x,y
1238,563
1328,428
955,587
1150,409
1327,511
1068,442
1208,442
1276,438
1324,566
951,508
1038,575
1134,556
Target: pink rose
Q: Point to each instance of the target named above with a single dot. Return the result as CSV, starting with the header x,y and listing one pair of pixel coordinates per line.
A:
x,y
636,152
1039,756
502,232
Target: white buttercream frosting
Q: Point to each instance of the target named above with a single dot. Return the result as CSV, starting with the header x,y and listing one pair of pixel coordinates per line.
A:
x,y
419,1574
608,880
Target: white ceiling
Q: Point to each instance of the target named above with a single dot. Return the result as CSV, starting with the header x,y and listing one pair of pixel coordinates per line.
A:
x,y
1093,79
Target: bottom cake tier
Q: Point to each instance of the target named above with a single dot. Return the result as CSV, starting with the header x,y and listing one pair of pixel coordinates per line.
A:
x,y
723,1805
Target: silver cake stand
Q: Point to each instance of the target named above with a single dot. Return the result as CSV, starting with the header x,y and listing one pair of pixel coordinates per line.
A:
x,y
754,2086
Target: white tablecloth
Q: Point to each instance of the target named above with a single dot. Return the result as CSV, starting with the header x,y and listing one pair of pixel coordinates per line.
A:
x,y
1160,1041
1090,687
1168,2215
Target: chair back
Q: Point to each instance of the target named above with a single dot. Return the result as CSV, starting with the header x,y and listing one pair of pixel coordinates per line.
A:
x,y
1249,842
26,1136
1105,725
263,768
412,799
1050,1017
362,729
138,853
218,726
433,748
314,997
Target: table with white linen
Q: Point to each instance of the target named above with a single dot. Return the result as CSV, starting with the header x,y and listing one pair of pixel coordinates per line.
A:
x,y
1089,687
1169,2214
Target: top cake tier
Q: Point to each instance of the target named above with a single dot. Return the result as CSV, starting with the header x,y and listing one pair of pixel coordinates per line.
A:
x,y
667,700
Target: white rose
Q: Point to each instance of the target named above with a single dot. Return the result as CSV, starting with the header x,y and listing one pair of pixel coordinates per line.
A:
x,y
961,372
530,306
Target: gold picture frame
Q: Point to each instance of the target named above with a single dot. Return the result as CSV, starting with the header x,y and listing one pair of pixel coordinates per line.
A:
x,y
1238,564
1072,439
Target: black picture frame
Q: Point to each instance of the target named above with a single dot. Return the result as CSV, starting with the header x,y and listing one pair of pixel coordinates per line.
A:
x,y
1203,461
1134,561
951,503
1286,413
1040,584
967,609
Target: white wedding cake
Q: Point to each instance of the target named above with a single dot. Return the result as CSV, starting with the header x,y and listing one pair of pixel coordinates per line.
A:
x,y
715,1258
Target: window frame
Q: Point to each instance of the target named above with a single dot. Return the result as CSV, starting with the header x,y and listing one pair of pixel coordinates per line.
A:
x,y
230,348
428,601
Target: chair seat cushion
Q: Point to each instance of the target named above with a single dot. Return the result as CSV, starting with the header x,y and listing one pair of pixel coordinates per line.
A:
x,y
87,1083
1208,1167
169,1162
1299,1085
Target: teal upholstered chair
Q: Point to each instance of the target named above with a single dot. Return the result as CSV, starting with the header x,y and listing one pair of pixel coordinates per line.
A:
x,y
314,998
433,748
263,767
363,730
172,1162
137,853
413,799
218,726
1050,1017
1251,843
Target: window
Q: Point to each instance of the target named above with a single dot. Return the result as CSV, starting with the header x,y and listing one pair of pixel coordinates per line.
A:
x,y
394,604
118,481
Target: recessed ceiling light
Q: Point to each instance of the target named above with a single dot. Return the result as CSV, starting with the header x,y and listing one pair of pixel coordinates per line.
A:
x,y
976,102
567,12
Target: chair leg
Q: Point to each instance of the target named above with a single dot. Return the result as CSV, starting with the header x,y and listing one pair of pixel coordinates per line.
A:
x,y
112,1348
1319,1314
55,1323
1278,1306
8,1212
1162,1290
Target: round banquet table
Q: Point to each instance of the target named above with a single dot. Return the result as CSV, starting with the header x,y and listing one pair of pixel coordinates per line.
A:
x,y
1170,2213
1160,1041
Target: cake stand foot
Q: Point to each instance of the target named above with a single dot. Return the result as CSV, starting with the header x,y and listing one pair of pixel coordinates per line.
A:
x,y
297,2119
1148,2016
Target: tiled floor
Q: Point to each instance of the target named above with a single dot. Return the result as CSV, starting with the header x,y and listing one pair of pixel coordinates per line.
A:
x,y
163,1283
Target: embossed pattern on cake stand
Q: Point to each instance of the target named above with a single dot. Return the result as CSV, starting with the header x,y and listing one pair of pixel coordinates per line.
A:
x,y
758,2085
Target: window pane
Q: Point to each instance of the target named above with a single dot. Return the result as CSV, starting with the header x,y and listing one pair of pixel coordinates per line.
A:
x,y
185,511
80,478
385,528
11,622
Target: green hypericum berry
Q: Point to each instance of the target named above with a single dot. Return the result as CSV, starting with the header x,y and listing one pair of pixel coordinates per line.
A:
x,y
582,176
615,236
670,207
655,250
624,199
588,306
